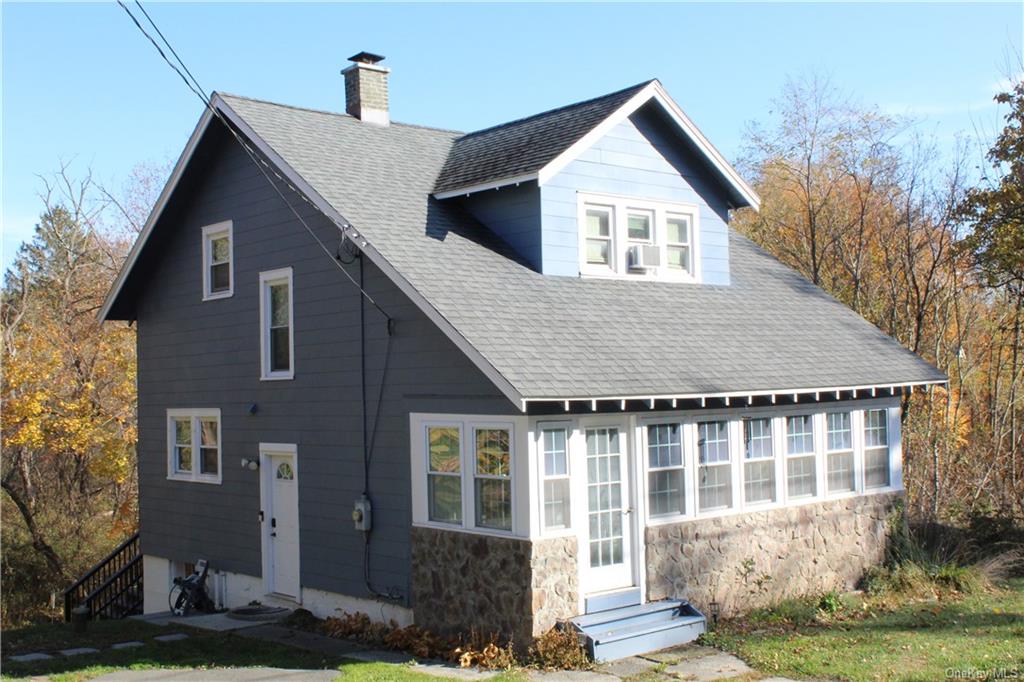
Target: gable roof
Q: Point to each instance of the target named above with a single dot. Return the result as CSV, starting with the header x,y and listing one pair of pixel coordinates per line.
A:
x,y
559,338
537,147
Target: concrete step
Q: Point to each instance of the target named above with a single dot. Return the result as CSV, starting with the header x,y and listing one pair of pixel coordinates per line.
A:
x,y
638,629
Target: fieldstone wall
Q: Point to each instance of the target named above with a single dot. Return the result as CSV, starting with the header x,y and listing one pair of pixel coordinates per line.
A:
x,y
509,586
554,582
749,560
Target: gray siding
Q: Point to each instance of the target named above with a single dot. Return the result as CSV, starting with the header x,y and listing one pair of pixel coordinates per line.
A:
x,y
513,213
206,354
641,157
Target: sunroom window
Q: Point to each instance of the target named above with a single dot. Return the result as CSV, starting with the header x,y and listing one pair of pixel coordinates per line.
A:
x,y
444,474
666,473
554,444
493,479
759,461
839,452
801,478
714,485
876,449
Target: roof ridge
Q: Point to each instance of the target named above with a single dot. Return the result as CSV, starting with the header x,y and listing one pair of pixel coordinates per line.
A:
x,y
637,86
339,114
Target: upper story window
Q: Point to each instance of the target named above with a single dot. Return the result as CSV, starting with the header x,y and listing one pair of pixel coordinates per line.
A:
x,y
277,329
218,268
194,445
637,239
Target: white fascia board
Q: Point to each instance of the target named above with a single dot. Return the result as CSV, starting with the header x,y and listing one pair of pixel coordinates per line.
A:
x,y
154,215
375,256
592,400
655,91
484,186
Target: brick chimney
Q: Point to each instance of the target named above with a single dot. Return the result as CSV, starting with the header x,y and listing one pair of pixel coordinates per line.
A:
x,y
366,89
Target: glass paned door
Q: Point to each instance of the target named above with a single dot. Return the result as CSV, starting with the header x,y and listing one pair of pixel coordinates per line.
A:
x,y
607,557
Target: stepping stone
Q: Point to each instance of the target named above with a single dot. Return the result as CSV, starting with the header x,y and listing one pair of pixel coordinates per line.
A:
x,y
126,645
172,637
79,651
28,658
713,667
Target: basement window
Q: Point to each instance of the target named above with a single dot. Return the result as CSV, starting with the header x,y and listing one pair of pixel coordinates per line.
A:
x,y
194,451
218,269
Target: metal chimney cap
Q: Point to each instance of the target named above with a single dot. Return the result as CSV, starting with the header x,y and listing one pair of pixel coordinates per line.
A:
x,y
366,58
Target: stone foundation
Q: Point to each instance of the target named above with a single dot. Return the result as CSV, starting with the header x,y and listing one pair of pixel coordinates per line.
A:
x,y
509,586
806,549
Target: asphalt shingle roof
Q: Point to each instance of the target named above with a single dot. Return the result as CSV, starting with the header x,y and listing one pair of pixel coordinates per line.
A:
x,y
526,145
564,337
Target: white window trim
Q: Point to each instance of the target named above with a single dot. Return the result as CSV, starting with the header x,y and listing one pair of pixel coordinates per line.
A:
x,y
519,468
647,469
863,471
543,477
773,432
211,232
194,415
266,279
689,419
620,208
855,448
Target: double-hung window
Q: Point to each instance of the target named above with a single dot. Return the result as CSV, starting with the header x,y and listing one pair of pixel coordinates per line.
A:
x,y
600,236
194,445
839,452
678,245
666,473
277,333
714,475
759,461
637,238
493,478
876,449
218,275
801,476
555,451
444,474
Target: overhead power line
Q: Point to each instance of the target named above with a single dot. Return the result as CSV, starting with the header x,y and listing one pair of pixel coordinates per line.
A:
x,y
262,164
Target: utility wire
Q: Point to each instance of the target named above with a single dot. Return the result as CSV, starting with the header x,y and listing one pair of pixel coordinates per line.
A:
x,y
193,84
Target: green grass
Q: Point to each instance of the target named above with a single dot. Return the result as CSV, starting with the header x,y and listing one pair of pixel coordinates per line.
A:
x,y
919,640
202,650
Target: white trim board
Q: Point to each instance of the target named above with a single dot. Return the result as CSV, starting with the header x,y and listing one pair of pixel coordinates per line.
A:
x,y
435,316
652,91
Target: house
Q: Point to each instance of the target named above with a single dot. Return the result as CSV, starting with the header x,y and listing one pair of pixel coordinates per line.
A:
x,y
495,380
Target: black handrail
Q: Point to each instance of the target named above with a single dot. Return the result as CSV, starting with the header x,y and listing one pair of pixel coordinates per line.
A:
x,y
101,576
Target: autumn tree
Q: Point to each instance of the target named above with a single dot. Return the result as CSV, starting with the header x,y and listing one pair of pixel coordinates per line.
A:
x,y
68,426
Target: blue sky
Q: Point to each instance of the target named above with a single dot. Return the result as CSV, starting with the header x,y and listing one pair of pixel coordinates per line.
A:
x,y
79,81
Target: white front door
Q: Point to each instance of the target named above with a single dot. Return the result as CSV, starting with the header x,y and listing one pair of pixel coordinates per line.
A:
x,y
607,552
280,502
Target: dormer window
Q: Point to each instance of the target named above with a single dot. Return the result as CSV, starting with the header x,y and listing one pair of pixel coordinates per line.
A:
x,y
600,243
637,239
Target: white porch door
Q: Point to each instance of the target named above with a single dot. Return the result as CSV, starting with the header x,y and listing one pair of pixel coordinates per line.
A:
x,y
280,523
607,554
